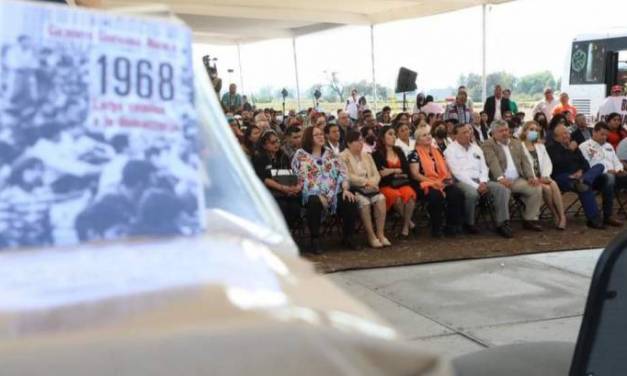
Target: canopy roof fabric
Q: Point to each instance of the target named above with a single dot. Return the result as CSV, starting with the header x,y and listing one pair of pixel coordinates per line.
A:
x,y
244,21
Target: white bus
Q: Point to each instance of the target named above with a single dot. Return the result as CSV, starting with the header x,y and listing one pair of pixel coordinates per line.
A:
x,y
595,63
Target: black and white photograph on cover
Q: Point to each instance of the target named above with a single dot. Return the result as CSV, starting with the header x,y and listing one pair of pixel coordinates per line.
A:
x,y
63,180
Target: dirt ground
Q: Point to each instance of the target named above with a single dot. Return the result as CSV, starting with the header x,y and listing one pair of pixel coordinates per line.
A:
x,y
423,249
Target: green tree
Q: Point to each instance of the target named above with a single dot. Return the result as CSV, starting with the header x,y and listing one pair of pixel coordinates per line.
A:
x,y
506,80
533,84
473,83
365,88
473,86
265,94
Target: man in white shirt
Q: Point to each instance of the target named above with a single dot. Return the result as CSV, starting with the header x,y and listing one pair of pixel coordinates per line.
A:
x,y
547,105
467,164
510,167
598,151
352,106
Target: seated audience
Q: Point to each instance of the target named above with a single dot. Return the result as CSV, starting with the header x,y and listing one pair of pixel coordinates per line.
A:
x,y
369,135
344,122
428,167
509,167
581,132
480,129
540,118
555,121
440,135
617,133
395,184
319,120
274,169
621,152
293,141
251,137
467,165
333,137
598,151
325,187
385,117
572,173
539,159
403,140
364,181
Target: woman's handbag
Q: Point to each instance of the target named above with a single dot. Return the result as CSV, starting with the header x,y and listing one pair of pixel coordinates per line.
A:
x,y
284,177
399,182
366,191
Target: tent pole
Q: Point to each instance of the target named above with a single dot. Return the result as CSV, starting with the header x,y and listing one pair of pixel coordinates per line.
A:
x,y
239,62
372,62
296,71
484,82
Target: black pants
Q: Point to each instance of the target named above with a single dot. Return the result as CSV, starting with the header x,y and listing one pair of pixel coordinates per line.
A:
x,y
347,210
453,204
290,207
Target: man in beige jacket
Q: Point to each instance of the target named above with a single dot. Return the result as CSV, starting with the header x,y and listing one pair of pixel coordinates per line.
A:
x,y
509,167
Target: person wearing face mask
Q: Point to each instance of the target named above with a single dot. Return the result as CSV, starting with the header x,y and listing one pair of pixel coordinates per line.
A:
x,y
509,167
539,159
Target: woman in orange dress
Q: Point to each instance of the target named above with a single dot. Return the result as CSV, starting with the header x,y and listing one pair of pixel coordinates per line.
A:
x,y
395,184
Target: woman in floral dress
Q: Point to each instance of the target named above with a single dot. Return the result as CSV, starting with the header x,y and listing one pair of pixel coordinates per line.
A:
x,y
326,190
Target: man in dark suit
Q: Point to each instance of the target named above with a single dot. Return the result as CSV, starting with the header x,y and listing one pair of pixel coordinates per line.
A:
x,y
333,136
572,173
496,105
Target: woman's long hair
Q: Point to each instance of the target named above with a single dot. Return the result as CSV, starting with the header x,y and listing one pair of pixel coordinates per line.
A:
x,y
380,148
420,100
247,143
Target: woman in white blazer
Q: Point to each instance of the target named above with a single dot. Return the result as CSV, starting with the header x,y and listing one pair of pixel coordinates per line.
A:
x,y
543,168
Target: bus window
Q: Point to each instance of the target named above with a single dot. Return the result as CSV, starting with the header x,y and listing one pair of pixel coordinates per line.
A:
x,y
587,64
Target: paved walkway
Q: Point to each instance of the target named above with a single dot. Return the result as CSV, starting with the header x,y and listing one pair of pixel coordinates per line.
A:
x,y
460,307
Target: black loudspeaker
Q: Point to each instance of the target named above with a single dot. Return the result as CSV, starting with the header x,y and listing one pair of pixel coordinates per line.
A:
x,y
406,80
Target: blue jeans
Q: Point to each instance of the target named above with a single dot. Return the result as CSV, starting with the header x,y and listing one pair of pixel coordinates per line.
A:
x,y
605,184
587,198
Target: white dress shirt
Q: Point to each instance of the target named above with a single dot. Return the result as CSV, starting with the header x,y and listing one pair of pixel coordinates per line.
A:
x,y
497,109
352,108
596,153
334,148
467,164
407,149
511,173
545,107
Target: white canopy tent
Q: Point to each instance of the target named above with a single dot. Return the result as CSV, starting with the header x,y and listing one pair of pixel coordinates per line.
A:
x,y
237,22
